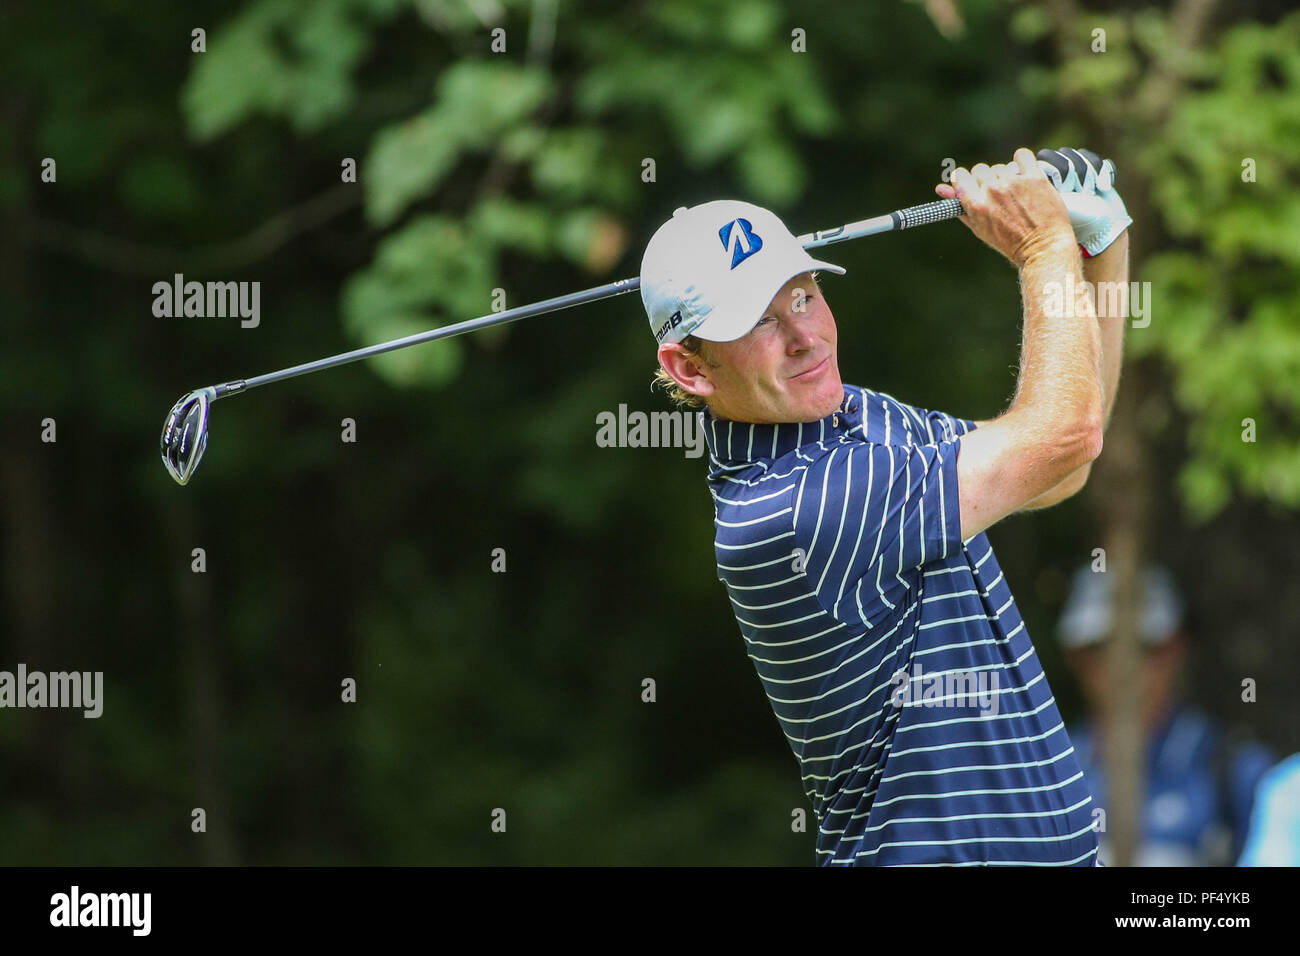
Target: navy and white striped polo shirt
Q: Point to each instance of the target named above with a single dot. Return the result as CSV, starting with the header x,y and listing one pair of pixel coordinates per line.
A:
x,y
892,651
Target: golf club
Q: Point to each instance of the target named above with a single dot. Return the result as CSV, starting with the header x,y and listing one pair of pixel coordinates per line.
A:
x,y
185,430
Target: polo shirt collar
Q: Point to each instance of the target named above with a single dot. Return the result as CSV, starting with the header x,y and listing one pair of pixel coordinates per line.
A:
x,y
739,443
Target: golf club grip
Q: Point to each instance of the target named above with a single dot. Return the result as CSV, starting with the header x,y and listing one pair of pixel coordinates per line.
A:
x,y
927,213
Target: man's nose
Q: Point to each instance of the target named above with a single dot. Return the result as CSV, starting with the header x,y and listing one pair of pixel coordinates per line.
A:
x,y
801,337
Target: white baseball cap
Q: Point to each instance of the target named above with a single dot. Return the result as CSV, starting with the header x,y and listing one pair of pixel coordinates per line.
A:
x,y
1086,617
712,270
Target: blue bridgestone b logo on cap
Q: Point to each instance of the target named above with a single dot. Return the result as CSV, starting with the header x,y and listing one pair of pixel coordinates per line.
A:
x,y
672,323
742,250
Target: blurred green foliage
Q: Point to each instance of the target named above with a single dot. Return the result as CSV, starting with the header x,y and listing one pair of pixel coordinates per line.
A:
x,y
1213,132
1223,177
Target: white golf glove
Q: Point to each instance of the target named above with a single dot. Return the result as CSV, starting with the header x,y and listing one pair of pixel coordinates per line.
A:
x,y
1087,186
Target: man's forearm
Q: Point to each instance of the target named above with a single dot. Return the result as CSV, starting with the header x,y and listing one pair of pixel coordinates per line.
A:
x,y
1060,386
1111,267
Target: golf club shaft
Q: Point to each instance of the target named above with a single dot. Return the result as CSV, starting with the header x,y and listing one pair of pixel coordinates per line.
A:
x,y
900,219
620,287
923,215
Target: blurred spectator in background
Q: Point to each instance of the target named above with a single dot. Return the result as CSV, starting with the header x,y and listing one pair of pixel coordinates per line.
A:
x,y
1201,780
1275,826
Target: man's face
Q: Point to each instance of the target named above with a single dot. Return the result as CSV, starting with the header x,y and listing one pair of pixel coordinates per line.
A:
x,y
1161,666
785,369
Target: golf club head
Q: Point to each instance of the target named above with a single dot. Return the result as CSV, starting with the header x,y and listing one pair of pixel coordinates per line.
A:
x,y
185,434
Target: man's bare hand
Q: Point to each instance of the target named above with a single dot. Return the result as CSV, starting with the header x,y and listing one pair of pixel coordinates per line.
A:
x,y
1014,208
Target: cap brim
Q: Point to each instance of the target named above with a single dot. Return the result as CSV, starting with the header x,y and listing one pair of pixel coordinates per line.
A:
x,y
735,323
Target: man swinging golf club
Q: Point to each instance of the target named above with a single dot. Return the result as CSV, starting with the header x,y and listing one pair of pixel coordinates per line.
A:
x,y
850,526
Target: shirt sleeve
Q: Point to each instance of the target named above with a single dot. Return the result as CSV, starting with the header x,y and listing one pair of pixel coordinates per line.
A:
x,y
945,427
926,425
869,516
1275,825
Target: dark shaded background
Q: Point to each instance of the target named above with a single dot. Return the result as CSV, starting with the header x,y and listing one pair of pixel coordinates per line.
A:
x,y
372,560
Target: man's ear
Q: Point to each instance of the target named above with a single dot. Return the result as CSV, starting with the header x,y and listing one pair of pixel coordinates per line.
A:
x,y
687,369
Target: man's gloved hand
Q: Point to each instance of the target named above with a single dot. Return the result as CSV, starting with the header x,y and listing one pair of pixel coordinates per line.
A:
x,y
1087,187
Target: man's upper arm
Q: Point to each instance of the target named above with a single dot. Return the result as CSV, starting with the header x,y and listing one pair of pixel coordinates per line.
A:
x,y
866,514
1067,487
1009,462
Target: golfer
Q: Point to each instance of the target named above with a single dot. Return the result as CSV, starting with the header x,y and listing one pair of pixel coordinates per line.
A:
x,y
850,526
